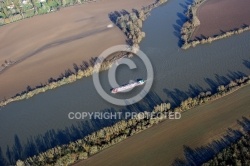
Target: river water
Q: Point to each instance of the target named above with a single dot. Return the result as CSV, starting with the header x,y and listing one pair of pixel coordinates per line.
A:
x,y
36,124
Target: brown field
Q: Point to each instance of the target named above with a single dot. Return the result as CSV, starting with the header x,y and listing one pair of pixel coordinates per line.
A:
x,y
221,15
161,144
55,41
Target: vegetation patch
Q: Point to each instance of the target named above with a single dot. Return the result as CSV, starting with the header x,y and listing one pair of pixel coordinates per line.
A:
x,y
237,154
193,22
15,10
130,23
85,70
108,136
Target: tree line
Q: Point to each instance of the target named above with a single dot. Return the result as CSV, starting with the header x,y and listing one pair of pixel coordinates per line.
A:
x,y
132,28
85,70
14,10
131,23
108,136
237,154
193,43
193,21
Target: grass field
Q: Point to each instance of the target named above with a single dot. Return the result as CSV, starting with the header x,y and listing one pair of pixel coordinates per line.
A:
x,y
162,144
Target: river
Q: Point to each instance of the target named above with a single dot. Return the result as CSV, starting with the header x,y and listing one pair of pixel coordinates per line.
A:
x,y
41,122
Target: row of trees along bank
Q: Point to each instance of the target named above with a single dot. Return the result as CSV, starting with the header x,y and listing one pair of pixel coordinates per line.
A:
x,y
193,22
130,23
237,154
108,136
85,70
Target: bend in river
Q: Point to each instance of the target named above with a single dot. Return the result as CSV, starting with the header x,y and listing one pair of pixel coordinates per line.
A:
x,y
34,125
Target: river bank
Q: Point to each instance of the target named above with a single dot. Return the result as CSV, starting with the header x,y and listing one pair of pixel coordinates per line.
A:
x,y
221,16
49,40
133,19
108,136
195,138
42,122
201,27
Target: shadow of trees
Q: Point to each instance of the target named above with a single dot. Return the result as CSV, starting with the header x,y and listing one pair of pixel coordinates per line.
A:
x,y
68,72
176,96
114,15
2,159
246,63
200,155
52,138
181,20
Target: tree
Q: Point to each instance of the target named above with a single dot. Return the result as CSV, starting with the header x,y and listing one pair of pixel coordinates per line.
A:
x,y
221,88
33,2
20,163
52,4
142,15
18,7
196,21
139,23
4,12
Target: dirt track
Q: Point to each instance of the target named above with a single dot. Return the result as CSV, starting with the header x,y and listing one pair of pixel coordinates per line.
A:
x,y
161,144
221,15
50,44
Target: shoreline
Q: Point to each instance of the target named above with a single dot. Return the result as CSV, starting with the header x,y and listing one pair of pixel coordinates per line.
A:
x,y
193,23
170,88
72,77
60,81
64,43
198,128
109,136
